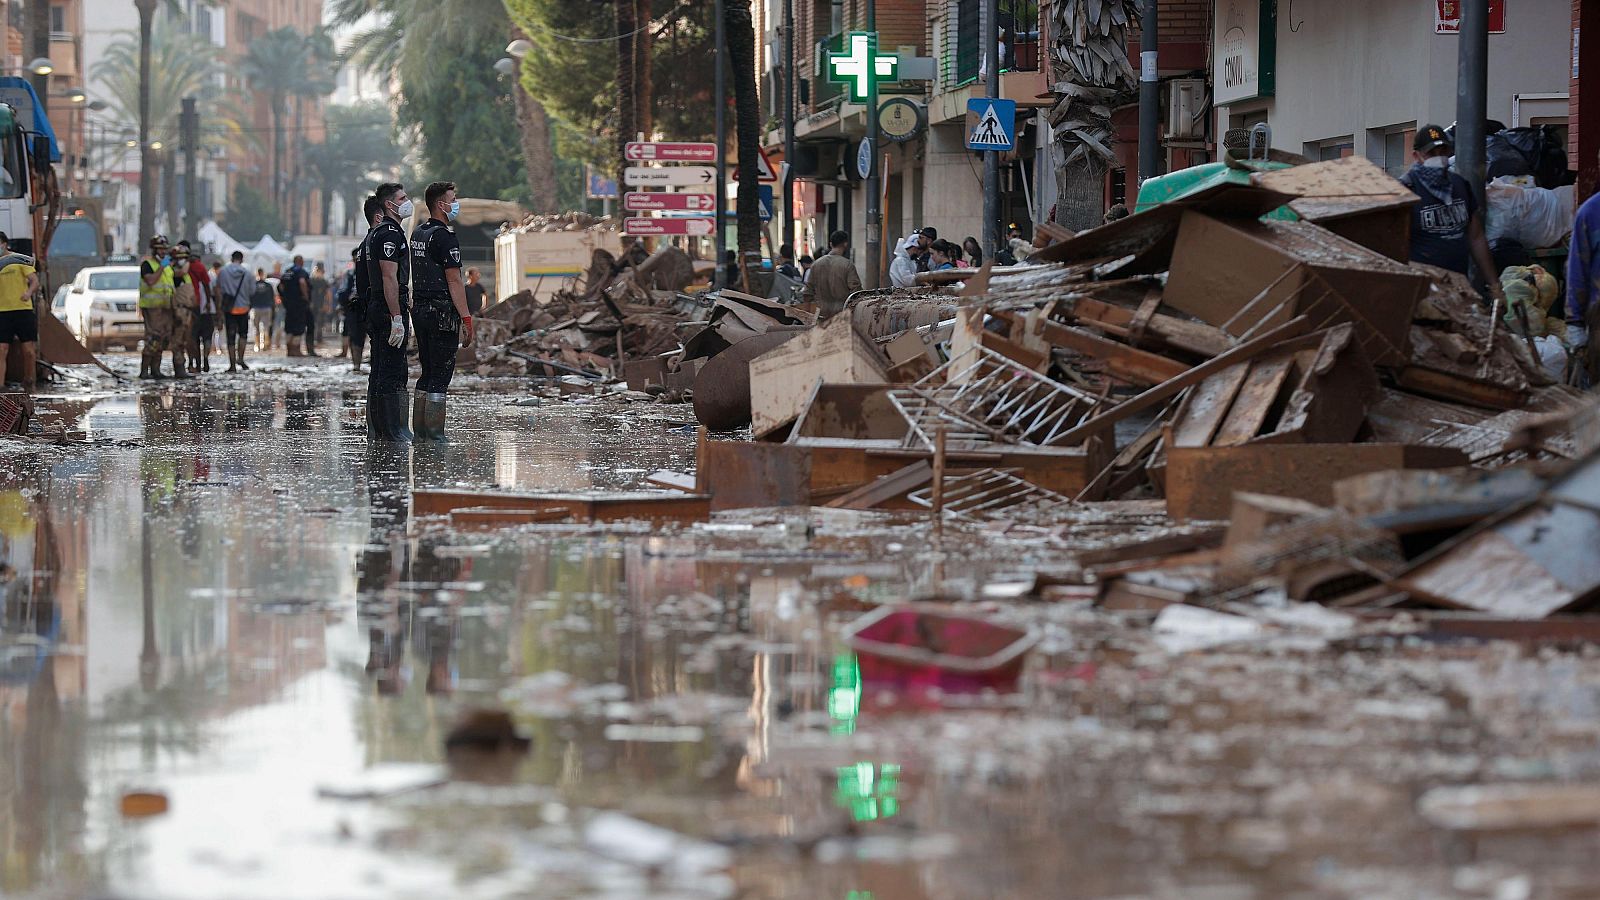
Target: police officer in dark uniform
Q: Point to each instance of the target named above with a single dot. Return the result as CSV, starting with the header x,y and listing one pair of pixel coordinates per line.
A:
x,y
353,301
389,276
441,318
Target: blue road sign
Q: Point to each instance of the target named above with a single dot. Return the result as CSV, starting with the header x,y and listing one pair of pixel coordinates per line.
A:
x,y
766,207
996,126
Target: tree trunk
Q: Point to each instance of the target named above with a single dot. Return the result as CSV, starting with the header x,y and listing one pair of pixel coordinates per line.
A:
x,y
278,101
169,186
747,125
1081,201
627,106
147,185
643,77
538,154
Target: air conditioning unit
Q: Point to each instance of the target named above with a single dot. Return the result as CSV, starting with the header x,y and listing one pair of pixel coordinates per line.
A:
x,y
1186,108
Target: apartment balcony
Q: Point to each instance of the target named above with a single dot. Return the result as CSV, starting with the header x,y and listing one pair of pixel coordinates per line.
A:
x,y
65,53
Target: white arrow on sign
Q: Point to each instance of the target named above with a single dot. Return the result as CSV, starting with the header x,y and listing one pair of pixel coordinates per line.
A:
x,y
682,176
646,227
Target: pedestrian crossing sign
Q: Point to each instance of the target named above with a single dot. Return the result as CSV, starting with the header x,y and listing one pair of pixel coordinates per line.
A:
x,y
991,124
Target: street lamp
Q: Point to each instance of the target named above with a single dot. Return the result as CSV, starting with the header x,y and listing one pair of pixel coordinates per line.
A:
x,y
519,48
76,95
505,65
97,105
41,66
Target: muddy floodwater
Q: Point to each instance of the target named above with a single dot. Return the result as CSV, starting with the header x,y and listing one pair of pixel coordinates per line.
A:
x,y
223,602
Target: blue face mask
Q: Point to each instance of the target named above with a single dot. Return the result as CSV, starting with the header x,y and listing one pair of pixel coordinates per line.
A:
x,y
455,209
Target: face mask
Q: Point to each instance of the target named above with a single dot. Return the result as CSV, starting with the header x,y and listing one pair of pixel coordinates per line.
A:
x,y
455,209
405,209
1436,162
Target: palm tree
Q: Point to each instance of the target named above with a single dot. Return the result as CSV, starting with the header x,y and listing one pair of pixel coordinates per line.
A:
x,y
747,125
147,209
285,63
1092,76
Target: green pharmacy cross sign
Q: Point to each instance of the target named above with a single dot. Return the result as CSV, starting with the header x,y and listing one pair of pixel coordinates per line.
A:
x,y
863,64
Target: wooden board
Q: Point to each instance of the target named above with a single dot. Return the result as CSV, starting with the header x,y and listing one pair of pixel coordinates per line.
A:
x,y
595,507
1128,363
1254,403
753,474
781,381
1201,481
1207,406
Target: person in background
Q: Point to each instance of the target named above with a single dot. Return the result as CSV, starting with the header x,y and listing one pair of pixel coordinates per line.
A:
x,y
1447,226
903,270
833,278
475,291
388,316
942,256
19,321
318,309
728,272
786,264
924,253
1583,287
294,290
356,305
205,313
233,290
805,266
263,299
974,252
185,307
276,331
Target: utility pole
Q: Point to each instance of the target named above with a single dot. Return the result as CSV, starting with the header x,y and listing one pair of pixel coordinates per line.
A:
x,y
38,18
874,201
189,138
721,91
1149,93
991,159
786,184
1472,87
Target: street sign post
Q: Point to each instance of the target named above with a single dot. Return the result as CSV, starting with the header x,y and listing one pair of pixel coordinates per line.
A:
x,y
640,202
664,151
679,176
667,227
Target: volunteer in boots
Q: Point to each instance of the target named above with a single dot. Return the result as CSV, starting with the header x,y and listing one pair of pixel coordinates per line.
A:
x,y
183,310
155,306
294,289
233,289
19,321
440,308
389,276
205,317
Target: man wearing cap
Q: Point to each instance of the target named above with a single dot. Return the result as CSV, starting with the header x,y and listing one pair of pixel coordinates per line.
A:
x,y
1446,226
156,287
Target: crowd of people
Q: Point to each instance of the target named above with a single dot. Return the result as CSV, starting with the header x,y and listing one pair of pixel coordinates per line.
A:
x,y
185,307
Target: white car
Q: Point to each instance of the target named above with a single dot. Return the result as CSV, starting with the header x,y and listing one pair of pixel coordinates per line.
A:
x,y
102,308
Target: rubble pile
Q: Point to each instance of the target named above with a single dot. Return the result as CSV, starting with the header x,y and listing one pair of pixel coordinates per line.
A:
x,y
1252,372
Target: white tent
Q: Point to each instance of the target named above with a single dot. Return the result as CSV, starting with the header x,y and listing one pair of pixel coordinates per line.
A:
x,y
267,253
219,243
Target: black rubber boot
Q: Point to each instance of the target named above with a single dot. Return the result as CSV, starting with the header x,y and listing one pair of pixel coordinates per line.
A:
x,y
386,418
428,417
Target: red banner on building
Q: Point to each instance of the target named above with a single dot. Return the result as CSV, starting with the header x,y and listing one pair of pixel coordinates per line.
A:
x,y
1447,16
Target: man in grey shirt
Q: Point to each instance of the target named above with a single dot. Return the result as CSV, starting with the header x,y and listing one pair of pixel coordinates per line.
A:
x,y
833,278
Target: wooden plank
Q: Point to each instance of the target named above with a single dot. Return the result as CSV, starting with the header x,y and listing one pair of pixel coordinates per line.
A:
x,y
1445,386
1248,350
1207,407
876,493
586,507
1123,361
1255,400
676,481
1201,481
1180,334
746,474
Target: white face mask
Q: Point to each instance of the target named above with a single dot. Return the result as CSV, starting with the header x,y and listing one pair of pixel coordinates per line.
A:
x,y
1436,162
405,209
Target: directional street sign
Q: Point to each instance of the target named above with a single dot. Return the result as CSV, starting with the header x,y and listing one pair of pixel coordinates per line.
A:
x,y
861,64
658,227
696,176
638,202
662,151
996,124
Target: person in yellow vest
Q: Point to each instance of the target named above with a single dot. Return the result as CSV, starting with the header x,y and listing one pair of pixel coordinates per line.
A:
x,y
19,321
156,287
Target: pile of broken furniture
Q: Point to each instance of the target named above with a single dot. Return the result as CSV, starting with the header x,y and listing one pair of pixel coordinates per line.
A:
x,y
1374,436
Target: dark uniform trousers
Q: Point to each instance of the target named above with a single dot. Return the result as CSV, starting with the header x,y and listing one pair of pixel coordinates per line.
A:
x,y
388,372
438,340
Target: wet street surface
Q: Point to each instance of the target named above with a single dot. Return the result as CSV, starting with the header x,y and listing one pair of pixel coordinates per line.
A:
x,y
224,601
